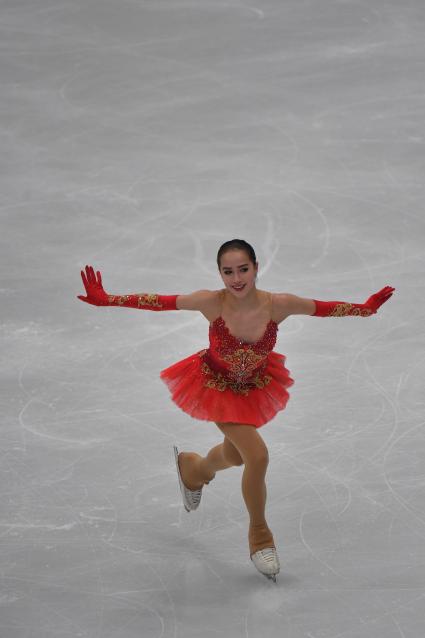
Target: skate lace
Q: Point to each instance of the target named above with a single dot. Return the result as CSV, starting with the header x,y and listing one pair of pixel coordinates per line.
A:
x,y
196,495
268,554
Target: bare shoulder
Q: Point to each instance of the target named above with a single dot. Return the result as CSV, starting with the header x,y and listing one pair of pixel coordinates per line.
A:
x,y
208,303
205,301
286,304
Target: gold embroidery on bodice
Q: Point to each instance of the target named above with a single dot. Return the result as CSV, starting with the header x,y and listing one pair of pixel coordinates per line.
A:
x,y
232,363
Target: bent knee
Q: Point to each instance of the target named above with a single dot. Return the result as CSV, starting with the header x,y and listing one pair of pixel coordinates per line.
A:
x,y
231,454
233,459
259,458
244,445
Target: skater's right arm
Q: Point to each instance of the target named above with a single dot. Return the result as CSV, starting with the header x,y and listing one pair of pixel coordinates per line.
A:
x,y
143,301
198,300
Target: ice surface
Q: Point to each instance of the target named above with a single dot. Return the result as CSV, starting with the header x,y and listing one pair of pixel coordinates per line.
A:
x,y
138,136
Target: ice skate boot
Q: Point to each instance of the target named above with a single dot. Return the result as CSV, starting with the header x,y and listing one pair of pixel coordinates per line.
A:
x,y
267,562
191,498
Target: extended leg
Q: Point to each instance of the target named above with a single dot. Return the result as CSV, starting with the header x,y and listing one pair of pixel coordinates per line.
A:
x,y
254,453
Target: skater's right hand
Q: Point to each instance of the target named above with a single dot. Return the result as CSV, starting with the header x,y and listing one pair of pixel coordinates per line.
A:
x,y
94,289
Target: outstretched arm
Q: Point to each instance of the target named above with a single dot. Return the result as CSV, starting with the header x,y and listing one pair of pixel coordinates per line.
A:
x,y
299,306
144,301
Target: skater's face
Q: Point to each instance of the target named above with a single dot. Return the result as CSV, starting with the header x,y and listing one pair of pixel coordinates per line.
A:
x,y
237,271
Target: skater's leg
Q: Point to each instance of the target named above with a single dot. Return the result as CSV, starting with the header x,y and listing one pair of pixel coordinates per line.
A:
x,y
197,470
250,445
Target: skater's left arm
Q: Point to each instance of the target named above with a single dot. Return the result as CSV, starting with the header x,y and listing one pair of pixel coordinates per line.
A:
x,y
293,305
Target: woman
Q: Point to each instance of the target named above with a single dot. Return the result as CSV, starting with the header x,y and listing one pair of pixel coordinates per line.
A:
x,y
239,382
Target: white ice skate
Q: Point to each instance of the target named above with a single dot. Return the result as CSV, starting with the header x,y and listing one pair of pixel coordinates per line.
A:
x,y
191,498
267,562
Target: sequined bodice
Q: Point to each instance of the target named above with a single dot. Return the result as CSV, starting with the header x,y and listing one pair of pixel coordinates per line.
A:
x,y
234,361
220,328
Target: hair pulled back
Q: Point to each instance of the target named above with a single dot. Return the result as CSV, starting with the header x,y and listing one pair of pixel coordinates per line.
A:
x,y
236,244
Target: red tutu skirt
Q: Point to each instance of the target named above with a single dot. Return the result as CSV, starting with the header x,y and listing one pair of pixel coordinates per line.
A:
x,y
187,384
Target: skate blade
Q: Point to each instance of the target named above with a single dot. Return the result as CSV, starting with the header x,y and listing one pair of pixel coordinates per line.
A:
x,y
176,456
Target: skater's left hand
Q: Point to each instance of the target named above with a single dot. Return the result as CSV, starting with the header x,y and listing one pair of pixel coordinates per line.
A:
x,y
376,300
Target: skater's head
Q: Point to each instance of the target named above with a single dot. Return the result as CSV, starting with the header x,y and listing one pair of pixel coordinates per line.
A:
x,y
238,266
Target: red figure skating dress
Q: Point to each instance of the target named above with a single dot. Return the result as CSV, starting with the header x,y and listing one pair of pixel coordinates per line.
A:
x,y
232,380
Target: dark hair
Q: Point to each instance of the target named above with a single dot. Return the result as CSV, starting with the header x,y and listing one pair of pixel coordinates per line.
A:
x,y
236,244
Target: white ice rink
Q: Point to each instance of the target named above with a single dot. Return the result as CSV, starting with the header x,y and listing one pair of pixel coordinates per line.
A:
x,y
138,136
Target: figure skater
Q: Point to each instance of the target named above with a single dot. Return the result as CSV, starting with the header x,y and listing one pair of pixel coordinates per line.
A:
x,y
238,382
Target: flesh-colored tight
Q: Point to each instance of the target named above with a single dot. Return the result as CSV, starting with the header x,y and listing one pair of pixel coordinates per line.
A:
x,y
242,445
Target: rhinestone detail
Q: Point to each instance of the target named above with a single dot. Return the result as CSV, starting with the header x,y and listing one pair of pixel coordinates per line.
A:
x,y
234,364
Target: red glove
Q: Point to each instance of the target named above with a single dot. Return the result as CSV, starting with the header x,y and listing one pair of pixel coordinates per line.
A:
x,y
144,301
342,308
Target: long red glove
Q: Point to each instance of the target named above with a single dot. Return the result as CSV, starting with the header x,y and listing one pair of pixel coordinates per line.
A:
x,y
144,301
342,308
